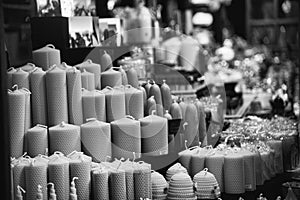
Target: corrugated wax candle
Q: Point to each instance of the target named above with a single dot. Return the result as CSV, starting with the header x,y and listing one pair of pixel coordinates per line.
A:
x,y
74,96
46,56
27,109
126,138
38,96
96,139
117,185
56,83
234,177
58,174
16,108
37,140
36,174
64,138
154,131
18,170
111,78
21,78
134,102
94,68
88,80
81,167
100,184
9,74
142,182
115,103
93,105
127,166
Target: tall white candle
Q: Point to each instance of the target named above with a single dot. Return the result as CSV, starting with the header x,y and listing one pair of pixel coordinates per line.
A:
x,y
134,102
94,68
21,78
18,170
88,80
27,108
37,140
9,74
93,105
100,183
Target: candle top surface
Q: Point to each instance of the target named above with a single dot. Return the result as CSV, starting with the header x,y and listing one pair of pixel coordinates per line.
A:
x,y
95,123
45,49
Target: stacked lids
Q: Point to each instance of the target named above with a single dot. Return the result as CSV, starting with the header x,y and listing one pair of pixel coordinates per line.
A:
x,y
159,186
181,187
206,185
176,168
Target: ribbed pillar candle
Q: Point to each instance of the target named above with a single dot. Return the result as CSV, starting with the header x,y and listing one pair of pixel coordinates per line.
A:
x,y
130,193
154,132
9,74
117,186
18,171
100,184
36,174
58,174
27,109
126,138
46,56
21,78
94,68
234,177
64,138
37,140
16,108
185,157
96,139
38,96
111,78
132,77
56,84
115,103
191,131
249,170
88,80
74,96
197,162
93,105
142,182
215,164
81,167
134,102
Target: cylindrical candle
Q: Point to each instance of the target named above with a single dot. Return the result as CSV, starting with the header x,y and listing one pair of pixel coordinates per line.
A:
x,y
234,177
38,96
56,84
100,184
105,61
27,109
74,96
175,111
249,170
154,131
259,169
126,137
215,164
94,68
142,183
134,102
18,171
115,104
130,193
132,77
93,105
21,78
151,106
147,88
155,91
117,185
81,168
88,80
185,159
64,138
16,108
191,130
9,74
46,56
37,140
124,76
111,78
36,174
58,174
197,163
202,123
96,139
166,95
144,95
276,145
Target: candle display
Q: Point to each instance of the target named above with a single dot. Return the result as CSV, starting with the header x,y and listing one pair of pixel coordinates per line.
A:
x,y
111,78
96,139
126,138
56,84
132,77
80,167
38,96
74,96
134,102
155,91
115,103
88,80
100,184
64,138
16,108
58,174
191,130
46,56
37,140
93,105
234,178
35,175
21,78
9,74
154,132
94,68
166,95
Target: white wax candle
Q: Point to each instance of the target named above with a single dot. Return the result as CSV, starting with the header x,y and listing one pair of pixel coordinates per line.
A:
x,y
21,78
132,77
88,80
37,140
94,68
134,102
46,56
111,78
9,74
191,131
93,105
